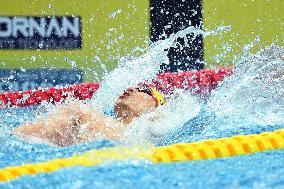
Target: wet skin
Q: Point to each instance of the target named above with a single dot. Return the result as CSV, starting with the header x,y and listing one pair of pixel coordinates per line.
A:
x,y
77,122
132,104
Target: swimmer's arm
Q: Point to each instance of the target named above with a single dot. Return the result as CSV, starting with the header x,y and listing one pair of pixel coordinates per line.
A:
x,y
36,129
60,126
72,124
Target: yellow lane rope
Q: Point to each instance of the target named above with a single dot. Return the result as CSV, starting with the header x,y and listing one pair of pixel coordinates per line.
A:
x,y
207,149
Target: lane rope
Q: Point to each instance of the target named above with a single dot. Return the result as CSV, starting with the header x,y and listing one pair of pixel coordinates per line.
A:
x,y
196,82
202,150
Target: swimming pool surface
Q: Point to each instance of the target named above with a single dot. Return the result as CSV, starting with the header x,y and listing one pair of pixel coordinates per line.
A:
x,y
259,170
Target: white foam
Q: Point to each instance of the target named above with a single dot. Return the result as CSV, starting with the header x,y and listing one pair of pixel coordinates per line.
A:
x,y
151,127
254,94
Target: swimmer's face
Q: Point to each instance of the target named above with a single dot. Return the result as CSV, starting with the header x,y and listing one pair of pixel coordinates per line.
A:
x,y
133,103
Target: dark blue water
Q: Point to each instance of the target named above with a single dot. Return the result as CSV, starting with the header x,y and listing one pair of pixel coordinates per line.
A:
x,y
260,170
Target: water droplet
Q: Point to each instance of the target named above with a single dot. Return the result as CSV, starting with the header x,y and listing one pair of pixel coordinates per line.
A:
x,y
33,58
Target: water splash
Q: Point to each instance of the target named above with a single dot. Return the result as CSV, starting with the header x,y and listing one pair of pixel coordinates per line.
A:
x,y
152,127
253,95
142,68
249,101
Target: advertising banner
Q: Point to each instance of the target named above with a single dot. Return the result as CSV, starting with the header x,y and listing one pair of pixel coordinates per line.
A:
x,y
89,36
20,79
45,32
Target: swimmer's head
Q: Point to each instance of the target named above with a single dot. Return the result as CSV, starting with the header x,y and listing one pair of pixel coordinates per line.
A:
x,y
135,101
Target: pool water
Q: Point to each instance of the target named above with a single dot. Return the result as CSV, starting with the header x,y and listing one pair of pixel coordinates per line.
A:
x,y
260,170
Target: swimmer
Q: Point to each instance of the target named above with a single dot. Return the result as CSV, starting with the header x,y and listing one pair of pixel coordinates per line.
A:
x,y
77,122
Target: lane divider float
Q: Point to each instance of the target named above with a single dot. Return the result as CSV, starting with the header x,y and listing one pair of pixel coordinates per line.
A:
x,y
196,82
206,149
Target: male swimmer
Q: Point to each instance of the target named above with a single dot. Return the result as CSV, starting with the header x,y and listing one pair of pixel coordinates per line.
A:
x,y
77,122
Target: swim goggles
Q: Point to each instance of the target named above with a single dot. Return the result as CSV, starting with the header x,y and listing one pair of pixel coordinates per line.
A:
x,y
157,96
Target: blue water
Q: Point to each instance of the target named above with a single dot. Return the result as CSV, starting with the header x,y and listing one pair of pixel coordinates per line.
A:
x,y
260,170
